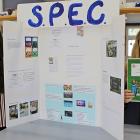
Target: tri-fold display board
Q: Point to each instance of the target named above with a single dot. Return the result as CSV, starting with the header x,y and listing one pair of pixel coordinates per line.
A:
x,y
64,61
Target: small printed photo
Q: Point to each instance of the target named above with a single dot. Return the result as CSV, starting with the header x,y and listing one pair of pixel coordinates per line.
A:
x,y
28,54
68,103
28,49
24,109
68,95
111,48
51,60
67,87
80,31
31,46
68,113
90,105
115,84
28,42
80,103
28,38
13,112
35,49
34,53
35,42
34,107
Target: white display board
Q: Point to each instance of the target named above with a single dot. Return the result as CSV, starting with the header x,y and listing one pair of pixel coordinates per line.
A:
x,y
1,7
70,74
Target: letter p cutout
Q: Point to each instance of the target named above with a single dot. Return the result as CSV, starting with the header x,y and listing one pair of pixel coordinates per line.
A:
x,y
55,15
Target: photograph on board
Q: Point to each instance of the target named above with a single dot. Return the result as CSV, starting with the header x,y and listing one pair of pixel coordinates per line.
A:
x,y
111,48
13,112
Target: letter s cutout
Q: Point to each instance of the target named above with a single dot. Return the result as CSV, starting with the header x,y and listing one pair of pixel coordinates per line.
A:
x,y
38,16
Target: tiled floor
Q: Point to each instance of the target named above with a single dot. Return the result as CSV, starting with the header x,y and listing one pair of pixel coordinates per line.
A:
x,y
132,132
46,130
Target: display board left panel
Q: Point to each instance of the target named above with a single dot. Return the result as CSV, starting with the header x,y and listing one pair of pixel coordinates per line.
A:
x,y
21,74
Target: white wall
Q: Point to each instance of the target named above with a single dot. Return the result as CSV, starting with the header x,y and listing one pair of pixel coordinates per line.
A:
x,y
1,5
132,0
133,18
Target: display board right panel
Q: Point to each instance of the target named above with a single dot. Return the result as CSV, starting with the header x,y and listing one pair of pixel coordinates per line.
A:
x,y
113,78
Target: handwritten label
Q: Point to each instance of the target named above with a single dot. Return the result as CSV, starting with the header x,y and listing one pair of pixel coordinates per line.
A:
x,y
66,13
